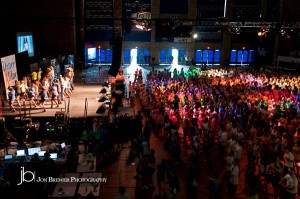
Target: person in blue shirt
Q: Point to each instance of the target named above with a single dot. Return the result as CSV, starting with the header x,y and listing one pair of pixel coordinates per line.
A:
x,y
11,98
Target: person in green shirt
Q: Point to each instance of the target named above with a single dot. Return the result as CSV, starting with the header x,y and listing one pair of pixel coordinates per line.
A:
x,y
87,139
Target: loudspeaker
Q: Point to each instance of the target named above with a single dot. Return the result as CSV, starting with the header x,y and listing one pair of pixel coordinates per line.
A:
x,y
23,64
116,57
101,109
102,91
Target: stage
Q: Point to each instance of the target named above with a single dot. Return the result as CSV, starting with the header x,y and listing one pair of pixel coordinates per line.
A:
x,y
82,92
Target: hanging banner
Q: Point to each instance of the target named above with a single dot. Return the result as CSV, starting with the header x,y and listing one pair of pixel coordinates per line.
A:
x,y
9,69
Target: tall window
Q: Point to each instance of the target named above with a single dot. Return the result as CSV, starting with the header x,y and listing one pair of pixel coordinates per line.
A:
x,y
233,56
199,56
208,56
251,56
165,56
127,56
181,59
162,56
241,56
217,56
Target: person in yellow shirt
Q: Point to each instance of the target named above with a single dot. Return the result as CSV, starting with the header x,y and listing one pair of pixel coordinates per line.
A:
x,y
34,75
39,74
23,90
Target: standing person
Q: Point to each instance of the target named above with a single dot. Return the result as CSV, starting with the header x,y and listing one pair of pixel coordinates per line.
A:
x,y
289,183
86,135
54,94
36,87
62,87
234,179
31,94
44,96
18,92
23,90
288,160
11,98
39,74
70,75
58,86
33,76
122,193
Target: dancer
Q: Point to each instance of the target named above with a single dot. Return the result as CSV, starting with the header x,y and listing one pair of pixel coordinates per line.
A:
x,y
11,98
54,96
44,96
31,95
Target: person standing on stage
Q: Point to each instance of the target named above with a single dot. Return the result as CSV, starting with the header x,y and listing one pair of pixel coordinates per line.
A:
x,y
31,95
44,95
11,98
54,95
39,74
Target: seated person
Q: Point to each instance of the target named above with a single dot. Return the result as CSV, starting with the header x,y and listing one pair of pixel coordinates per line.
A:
x,y
48,166
35,158
35,163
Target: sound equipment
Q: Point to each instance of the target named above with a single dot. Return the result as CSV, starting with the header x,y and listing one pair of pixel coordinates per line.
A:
x,y
60,117
116,56
120,86
23,64
101,109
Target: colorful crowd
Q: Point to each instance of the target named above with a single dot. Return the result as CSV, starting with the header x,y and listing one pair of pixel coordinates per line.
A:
x,y
228,111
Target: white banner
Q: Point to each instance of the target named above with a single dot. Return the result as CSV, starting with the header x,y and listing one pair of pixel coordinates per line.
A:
x,y
9,69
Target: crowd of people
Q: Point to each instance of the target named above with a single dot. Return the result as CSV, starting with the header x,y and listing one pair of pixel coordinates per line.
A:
x,y
230,111
40,86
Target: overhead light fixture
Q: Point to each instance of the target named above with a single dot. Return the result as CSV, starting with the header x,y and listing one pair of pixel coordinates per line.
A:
x,y
238,31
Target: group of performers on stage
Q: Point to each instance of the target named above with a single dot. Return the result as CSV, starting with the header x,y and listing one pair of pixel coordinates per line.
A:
x,y
37,88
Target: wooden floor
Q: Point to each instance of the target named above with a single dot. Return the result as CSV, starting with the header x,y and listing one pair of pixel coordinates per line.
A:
x,y
82,92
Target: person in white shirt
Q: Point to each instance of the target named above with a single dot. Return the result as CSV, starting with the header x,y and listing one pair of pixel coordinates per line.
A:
x,y
234,179
229,161
289,183
238,153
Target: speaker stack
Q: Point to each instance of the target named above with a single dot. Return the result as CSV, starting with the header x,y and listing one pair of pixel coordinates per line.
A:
x,y
116,43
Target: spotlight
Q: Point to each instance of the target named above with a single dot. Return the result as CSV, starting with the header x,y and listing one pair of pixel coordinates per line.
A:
x,y
260,33
195,35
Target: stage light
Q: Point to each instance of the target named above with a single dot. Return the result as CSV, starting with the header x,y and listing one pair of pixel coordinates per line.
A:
x,y
260,34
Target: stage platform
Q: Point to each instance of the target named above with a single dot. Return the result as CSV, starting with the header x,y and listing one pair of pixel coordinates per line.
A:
x,y
82,92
